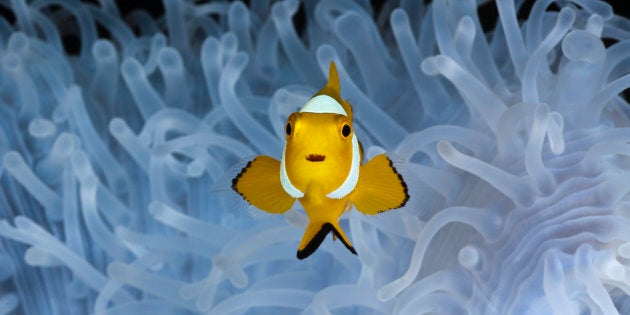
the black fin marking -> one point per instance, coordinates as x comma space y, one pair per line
236, 179
402, 182
338, 235
317, 240
314, 243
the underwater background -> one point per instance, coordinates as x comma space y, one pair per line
120, 132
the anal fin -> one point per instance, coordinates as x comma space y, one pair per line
315, 234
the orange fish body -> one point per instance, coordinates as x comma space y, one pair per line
321, 168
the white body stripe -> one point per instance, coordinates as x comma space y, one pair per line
323, 104
353, 176
286, 182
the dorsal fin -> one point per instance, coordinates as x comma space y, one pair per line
333, 77
333, 89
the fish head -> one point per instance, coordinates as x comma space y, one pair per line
318, 149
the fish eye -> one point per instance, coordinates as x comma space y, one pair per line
345, 130
287, 129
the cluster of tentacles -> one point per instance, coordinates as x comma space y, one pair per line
116, 160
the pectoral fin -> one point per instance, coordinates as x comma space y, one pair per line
315, 234
259, 184
380, 187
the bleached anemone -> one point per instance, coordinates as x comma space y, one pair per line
117, 160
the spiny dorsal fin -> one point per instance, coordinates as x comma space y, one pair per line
333, 77
333, 89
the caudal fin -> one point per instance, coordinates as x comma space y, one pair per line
315, 234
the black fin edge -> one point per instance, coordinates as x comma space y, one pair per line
238, 177
317, 240
314, 243
402, 182
338, 235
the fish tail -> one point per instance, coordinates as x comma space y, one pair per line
315, 234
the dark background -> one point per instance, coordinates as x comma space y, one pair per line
487, 12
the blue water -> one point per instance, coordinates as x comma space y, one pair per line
117, 160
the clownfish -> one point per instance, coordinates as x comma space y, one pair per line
321, 168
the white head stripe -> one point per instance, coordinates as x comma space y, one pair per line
353, 176
323, 104
286, 182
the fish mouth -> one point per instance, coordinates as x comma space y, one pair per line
315, 158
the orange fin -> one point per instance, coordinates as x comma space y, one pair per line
259, 184
333, 77
315, 234
380, 187
338, 233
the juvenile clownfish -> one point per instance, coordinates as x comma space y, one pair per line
321, 168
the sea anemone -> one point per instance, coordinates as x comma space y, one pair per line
120, 132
